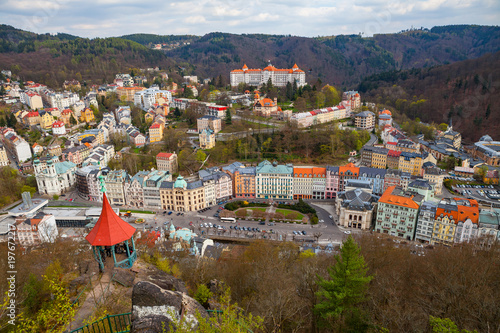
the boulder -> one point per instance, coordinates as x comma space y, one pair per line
163, 280
155, 308
123, 276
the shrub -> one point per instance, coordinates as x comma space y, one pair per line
203, 294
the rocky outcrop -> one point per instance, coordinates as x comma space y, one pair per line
155, 308
162, 279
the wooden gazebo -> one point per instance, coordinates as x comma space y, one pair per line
112, 235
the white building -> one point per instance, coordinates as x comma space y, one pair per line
54, 178
41, 228
60, 100
114, 186
58, 128
221, 182
279, 77
4, 159
17, 146
124, 115
146, 98
133, 189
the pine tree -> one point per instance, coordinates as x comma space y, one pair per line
228, 117
340, 295
177, 112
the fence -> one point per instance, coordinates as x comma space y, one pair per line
119, 323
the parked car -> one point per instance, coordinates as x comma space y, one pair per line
304, 232
331, 217
170, 213
321, 221
347, 232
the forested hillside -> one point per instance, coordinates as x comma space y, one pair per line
342, 60
53, 59
468, 92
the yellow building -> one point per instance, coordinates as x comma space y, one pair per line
411, 163
87, 115
46, 120
31, 118
97, 133
207, 139
156, 132
182, 196
379, 158
149, 117
127, 94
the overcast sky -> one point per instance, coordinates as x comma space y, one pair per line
104, 18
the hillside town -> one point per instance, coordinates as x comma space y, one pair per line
394, 186
249, 168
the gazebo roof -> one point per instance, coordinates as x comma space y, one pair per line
109, 229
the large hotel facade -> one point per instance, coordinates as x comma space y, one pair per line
279, 77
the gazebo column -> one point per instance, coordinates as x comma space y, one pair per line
114, 256
126, 245
129, 255
98, 257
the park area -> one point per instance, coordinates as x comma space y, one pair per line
262, 214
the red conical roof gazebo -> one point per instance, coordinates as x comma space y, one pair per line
109, 231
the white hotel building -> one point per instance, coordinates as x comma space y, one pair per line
279, 77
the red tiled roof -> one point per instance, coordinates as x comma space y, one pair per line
164, 155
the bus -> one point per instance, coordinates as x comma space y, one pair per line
228, 219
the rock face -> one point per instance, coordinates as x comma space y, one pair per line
161, 279
155, 308
123, 276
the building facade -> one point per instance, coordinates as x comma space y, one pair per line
182, 196
167, 162
54, 178
274, 181
397, 213
355, 209
278, 77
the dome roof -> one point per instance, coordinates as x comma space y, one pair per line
486, 138
180, 182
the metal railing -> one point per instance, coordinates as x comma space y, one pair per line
119, 323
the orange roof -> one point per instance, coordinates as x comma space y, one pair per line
66, 111
386, 112
245, 66
351, 167
397, 200
319, 171
448, 213
295, 66
303, 172
467, 212
237, 70
109, 229
155, 125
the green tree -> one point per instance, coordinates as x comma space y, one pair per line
203, 294
340, 295
228, 117
231, 319
443, 127
445, 325
200, 156
177, 112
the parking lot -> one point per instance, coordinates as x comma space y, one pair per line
481, 192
